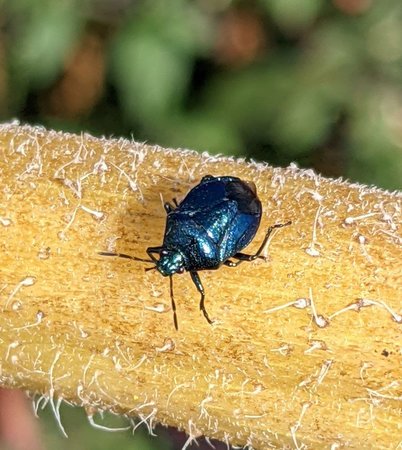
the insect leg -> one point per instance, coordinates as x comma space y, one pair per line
243, 257
230, 263
200, 288
169, 207
173, 303
151, 251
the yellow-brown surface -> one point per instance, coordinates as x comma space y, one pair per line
98, 331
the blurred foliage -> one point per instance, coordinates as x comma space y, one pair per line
317, 82
82, 436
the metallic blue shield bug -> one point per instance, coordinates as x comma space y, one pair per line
215, 221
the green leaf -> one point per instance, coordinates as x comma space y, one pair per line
293, 15
151, 75
152, 57
44, 34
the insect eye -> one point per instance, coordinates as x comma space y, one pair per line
181, 270
164, 252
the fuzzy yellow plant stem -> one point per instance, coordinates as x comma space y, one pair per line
305, 348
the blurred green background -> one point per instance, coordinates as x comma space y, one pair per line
318, 82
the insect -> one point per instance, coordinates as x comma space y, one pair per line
209, 228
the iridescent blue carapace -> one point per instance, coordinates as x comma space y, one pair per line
215, 221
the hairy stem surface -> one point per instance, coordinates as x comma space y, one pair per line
305, 348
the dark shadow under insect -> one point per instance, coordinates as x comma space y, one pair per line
215, 221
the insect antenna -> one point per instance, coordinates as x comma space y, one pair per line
150, 268
123, 255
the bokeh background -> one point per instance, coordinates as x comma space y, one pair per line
317, 82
